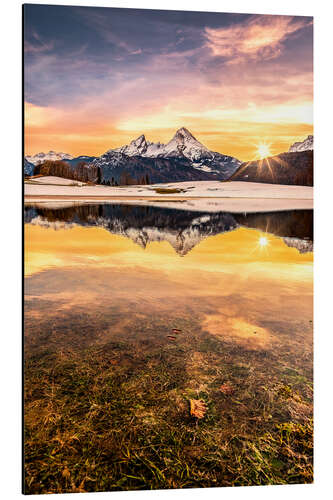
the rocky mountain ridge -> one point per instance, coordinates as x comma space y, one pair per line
182, 158
306, 145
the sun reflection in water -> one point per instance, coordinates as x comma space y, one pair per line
263, 241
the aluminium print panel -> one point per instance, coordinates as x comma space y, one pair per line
168, 250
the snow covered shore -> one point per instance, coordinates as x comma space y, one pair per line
200, 195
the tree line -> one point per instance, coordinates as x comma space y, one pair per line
85, 172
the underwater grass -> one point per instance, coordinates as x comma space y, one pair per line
115, 416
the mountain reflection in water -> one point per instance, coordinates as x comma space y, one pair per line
183, 229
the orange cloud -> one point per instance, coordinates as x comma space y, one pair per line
69, 130
234, 132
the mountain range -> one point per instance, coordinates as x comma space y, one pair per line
183, 158
51, 155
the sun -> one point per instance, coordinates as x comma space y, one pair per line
263, 150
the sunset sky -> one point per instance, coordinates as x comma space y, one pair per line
96, 78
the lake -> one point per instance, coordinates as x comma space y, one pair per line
166, 348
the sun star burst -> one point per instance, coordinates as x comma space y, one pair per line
263, 150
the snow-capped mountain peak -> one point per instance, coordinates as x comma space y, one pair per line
140, 147
182, 158
183, 142
137, 146
305, 145
184, 133
51, 155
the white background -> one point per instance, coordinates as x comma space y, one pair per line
10, 196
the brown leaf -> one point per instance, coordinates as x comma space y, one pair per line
198, 408
176, 331
171, 337
227, 389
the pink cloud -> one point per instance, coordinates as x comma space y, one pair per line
261, 37
29, 48
38, 46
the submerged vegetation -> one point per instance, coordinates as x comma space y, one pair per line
145, 412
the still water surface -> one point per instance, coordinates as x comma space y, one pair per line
105, 287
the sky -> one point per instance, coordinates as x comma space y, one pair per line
96, 78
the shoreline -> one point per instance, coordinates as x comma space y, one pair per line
232, 205
152, 198
211, 196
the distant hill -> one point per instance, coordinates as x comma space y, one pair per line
79, 159
285, 168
